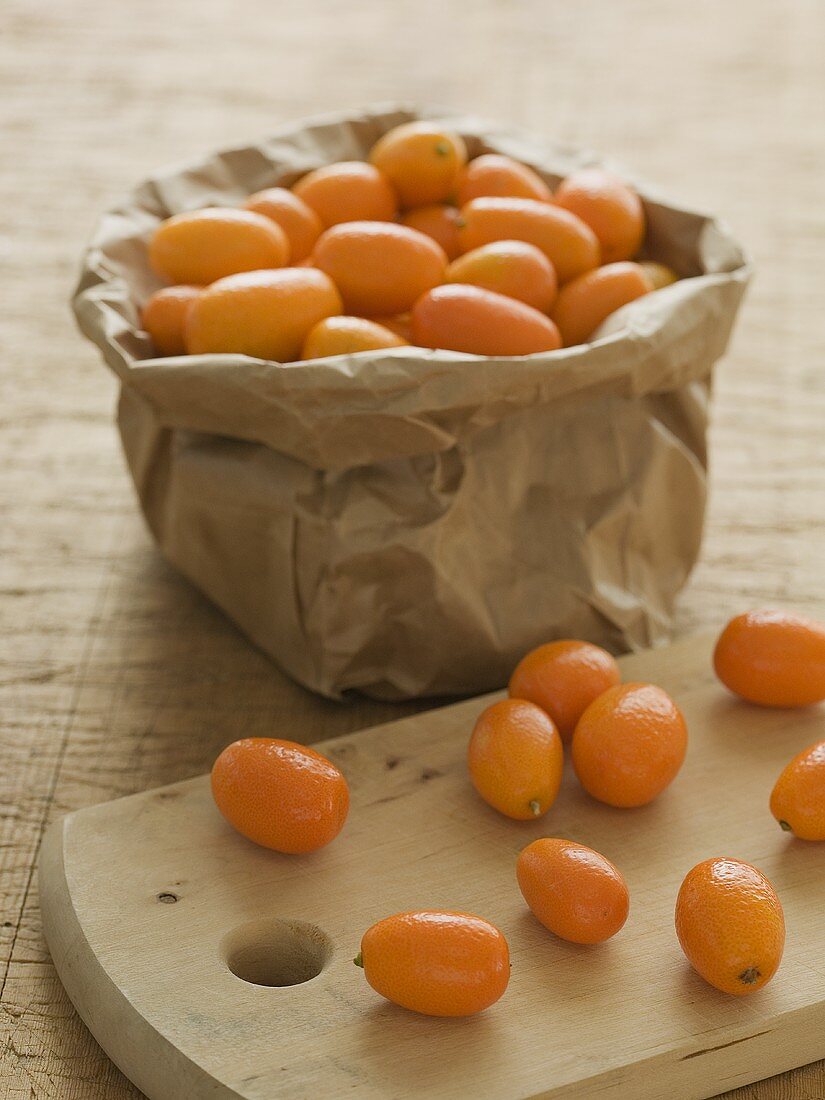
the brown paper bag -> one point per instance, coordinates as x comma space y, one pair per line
410, 522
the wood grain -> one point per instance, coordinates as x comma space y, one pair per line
208, 966
114, 675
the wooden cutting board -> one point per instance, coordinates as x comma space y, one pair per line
148, 901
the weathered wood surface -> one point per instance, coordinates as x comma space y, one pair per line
114, 675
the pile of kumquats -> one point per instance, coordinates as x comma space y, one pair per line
627, 743
418, 246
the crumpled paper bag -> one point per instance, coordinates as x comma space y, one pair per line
410, 522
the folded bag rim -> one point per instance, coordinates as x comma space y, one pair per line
375, 406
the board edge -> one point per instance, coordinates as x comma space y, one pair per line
143, 1054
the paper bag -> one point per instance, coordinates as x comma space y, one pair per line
411, 522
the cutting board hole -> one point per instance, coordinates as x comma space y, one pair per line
276, 951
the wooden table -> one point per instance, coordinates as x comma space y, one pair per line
115, 675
